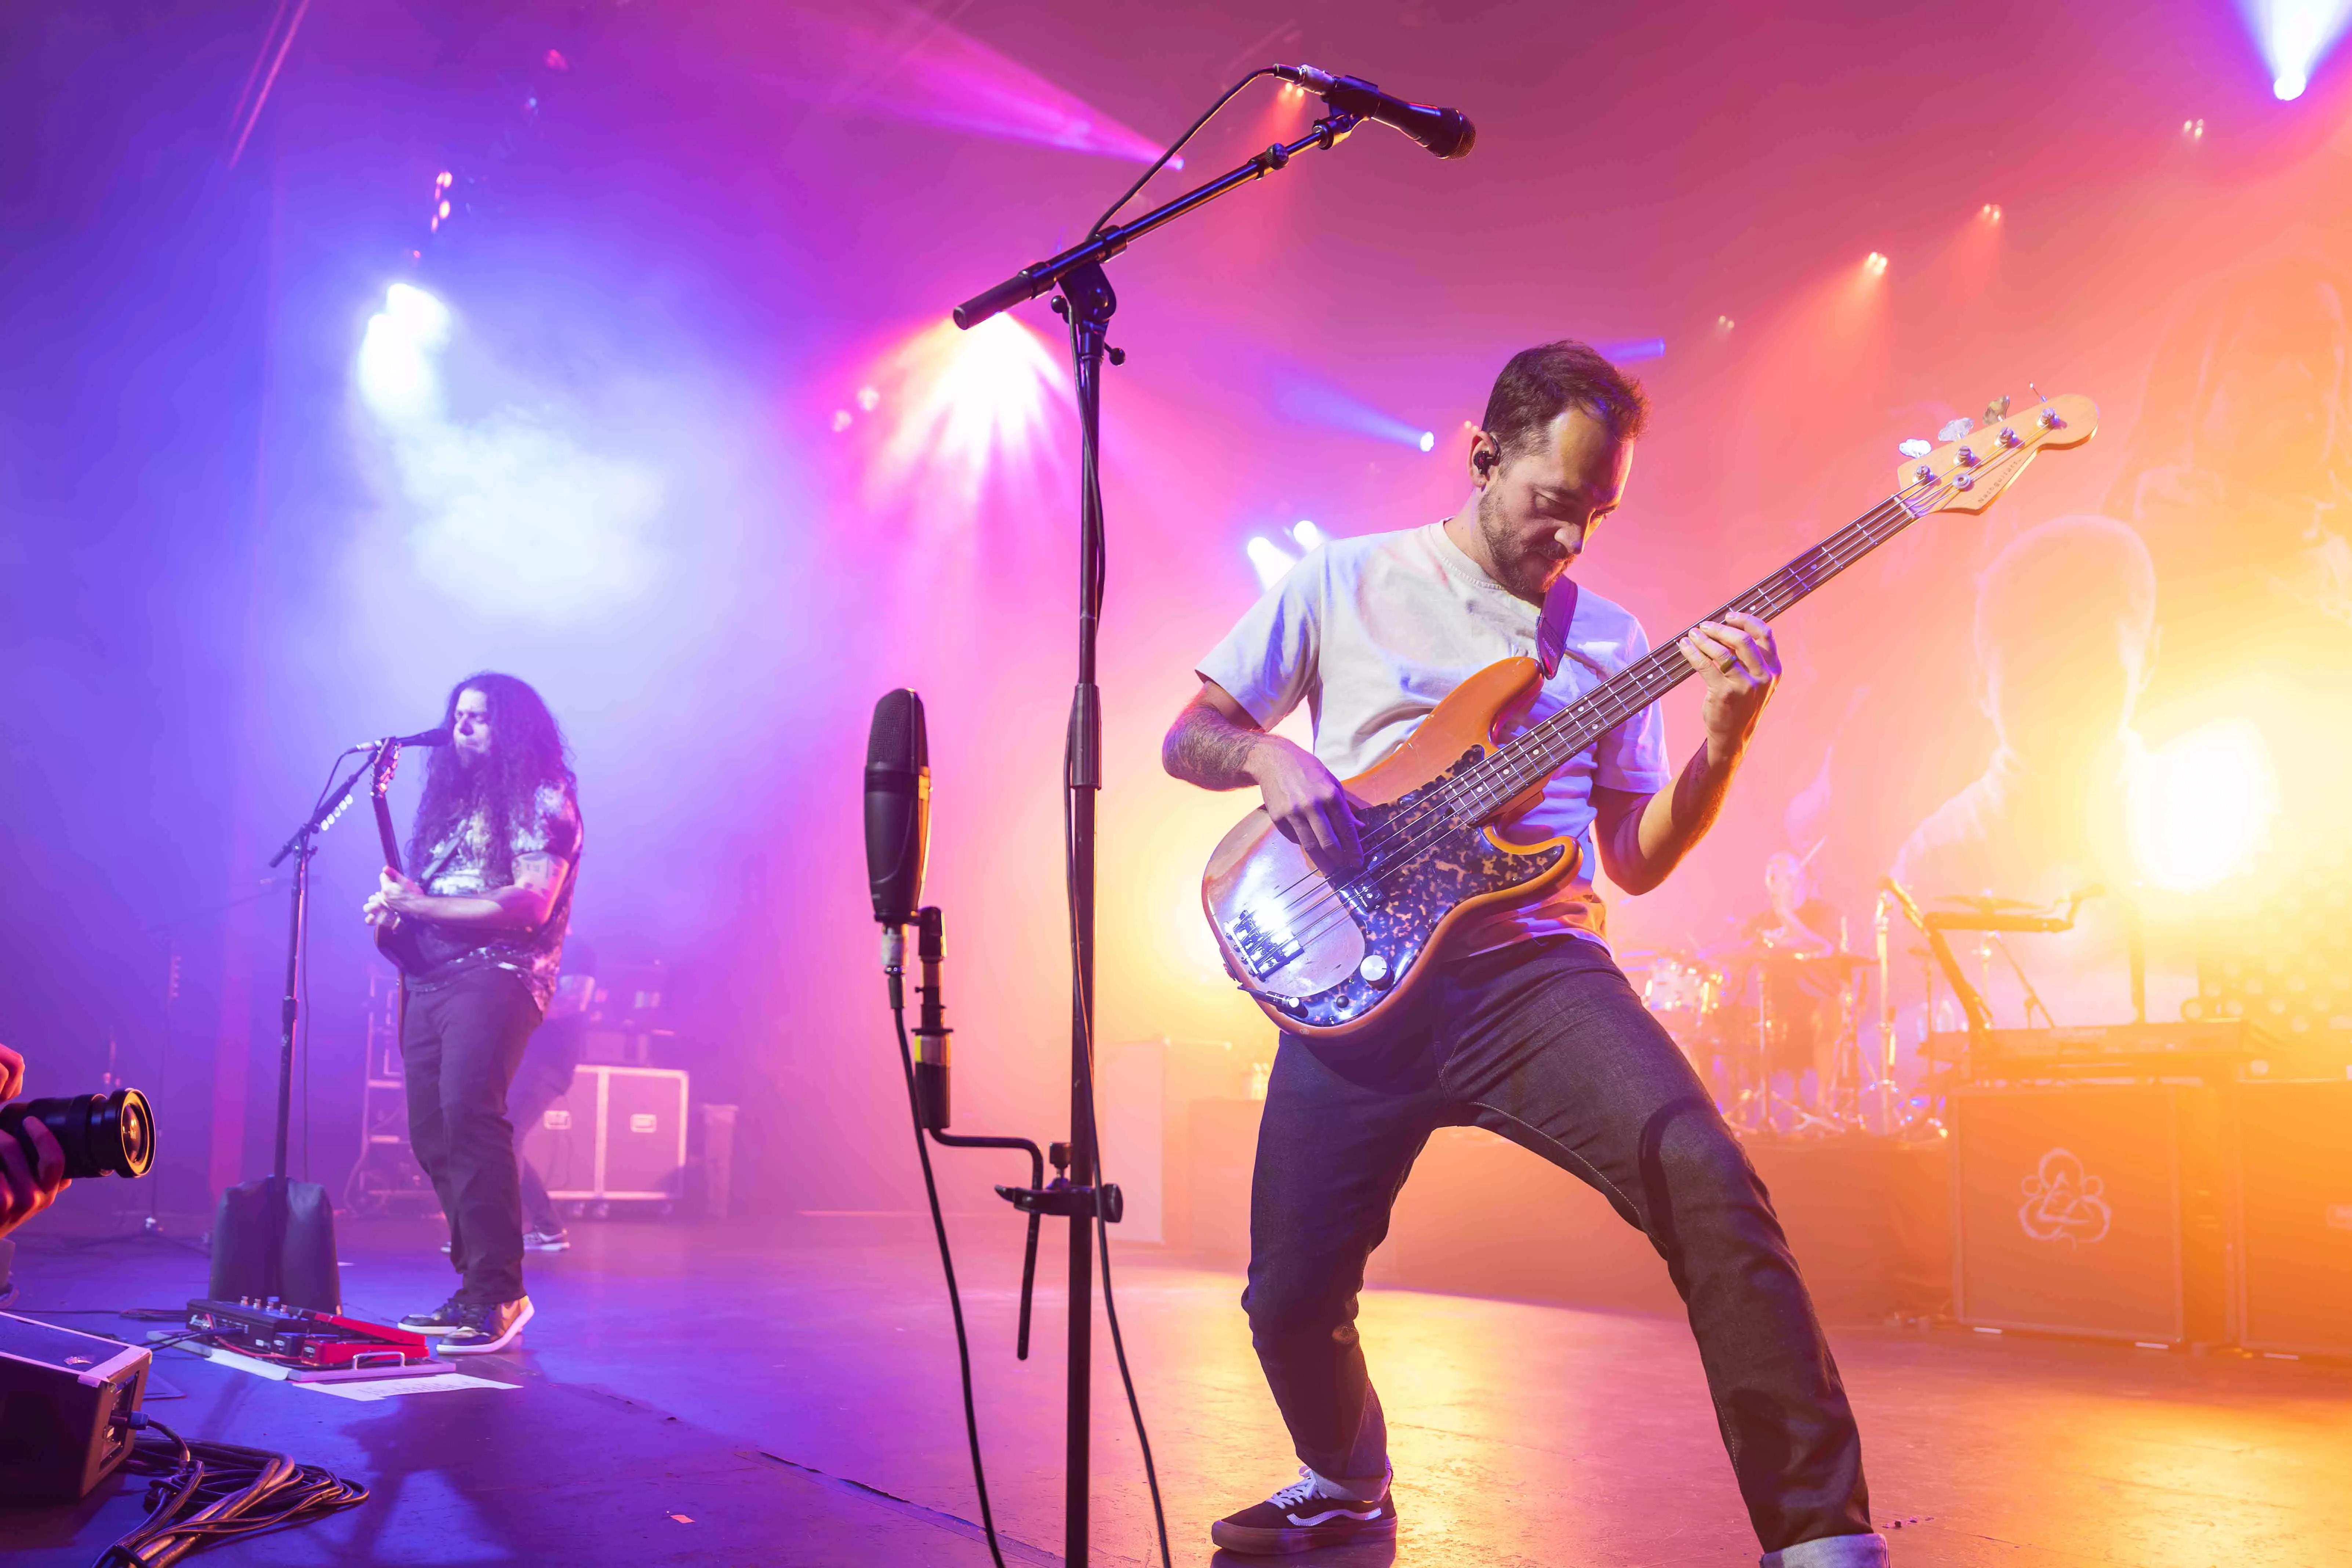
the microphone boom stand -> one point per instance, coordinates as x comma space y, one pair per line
1086, 301
301, 847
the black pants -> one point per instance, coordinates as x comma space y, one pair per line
1547, 1045
461, 1041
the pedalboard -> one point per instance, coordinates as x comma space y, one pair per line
298, 1337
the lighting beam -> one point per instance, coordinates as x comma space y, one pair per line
2295, 36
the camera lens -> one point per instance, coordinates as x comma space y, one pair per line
100, 1134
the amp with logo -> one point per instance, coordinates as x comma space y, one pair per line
617, 1135
2093, 1209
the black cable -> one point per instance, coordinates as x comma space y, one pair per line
947, 1267
201, 1494
1173, 148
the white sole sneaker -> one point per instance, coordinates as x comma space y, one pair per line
490, 1347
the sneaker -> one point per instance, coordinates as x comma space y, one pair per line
485, 1327
1306, 1514
556, 1240
441, 1319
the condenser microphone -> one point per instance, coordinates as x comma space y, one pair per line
897, 806
1444, 132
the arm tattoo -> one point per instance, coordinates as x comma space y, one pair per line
1205, 748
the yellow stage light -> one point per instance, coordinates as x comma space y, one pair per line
2200, 807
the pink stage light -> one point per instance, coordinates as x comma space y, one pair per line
957, 406
891, 58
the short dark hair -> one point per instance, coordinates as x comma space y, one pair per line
1542, 382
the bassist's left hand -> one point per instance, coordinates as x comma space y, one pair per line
1737, 662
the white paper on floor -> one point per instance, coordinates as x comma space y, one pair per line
439, 1383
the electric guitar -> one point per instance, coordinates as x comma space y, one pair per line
413, 946
1325, 956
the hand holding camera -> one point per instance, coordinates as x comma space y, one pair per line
45, 1143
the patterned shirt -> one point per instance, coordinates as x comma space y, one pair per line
460, 867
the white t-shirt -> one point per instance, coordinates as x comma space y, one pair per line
1372, 633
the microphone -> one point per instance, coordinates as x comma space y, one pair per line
897, 806
440, 737
1444, 132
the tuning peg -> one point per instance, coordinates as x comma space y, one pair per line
1997, 409
1956, 429
1914, 447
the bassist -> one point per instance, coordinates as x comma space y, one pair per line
496, 851
1525, 1026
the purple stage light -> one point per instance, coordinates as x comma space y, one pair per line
1623, 350
1272, 561
1319, 402
2295, 36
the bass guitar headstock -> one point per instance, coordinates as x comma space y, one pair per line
1976, 463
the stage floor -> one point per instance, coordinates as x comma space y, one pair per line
784, 1392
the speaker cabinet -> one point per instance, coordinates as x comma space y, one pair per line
2091, 1209
617, 1133
2294, 1200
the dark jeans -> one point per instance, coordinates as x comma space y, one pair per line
461, 1041
1547, 1045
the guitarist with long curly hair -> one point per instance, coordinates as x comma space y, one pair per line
495, 853
1525, 1026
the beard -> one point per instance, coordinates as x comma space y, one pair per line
1524, 571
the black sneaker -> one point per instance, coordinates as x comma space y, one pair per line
1303, 1515
483, 1328
556, 1240
439, 1320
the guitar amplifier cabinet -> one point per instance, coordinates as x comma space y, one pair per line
2292, 1195
59, 1393
2092, 1209
619, 1134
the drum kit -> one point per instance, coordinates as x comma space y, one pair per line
1753, 1018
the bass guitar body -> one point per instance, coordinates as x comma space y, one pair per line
1319, 954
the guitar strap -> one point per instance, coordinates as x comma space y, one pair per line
1552, 625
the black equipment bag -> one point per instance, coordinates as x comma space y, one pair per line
248, 1227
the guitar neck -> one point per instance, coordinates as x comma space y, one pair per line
384, 831
1548, 746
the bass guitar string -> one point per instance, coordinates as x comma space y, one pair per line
1502, 774
1496, 780
1803, 574
1500, 778
1497, 767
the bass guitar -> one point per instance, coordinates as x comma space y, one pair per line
1325, 956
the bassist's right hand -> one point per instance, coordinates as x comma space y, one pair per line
1307, 805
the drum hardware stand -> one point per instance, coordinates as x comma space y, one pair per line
1086, 303
1990, 920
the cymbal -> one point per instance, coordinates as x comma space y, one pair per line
1760, 952
1986, 904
